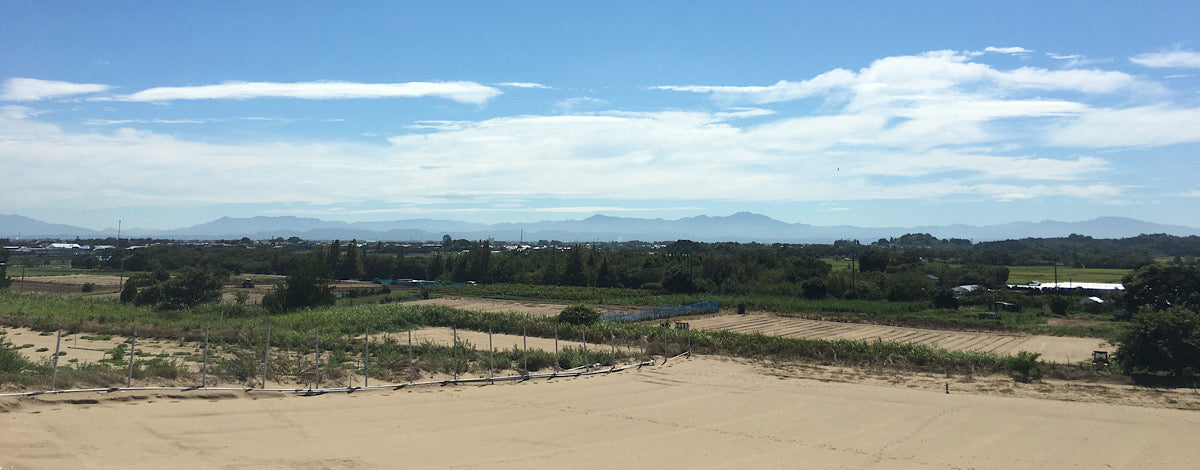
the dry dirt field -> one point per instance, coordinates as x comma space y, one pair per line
690, 413
494, 305
1052, 348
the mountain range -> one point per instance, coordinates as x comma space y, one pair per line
739, 227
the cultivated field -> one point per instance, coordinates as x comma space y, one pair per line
493, 305
1052, 348
690, 413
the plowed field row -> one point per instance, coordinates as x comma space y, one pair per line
1052, 348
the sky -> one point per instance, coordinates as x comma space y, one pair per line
168, 114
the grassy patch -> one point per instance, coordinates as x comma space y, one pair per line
1024, 274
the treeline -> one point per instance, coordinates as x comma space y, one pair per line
1076, 250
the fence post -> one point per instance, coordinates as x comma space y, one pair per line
54, 375
613, 342
132, 349
454, 354
317, 362
410, 357
525, 346
204, 368
491, 358
555, 349
266, 356
587, 365
367, 358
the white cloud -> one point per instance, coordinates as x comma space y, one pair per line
523, 85
575, 104
120, 122
1019, 51
900, 80
606, 157
1176, 59
464, 92
780, 91
32, 89
1141, 126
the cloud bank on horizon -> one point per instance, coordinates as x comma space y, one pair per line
979, 135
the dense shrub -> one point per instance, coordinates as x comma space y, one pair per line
579, 315
1024, 367
1161, 341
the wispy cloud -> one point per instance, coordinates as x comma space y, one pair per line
663, 156
464, 92
523, 85
1017, 51
1141, 126
121, 122
1174, 59
32, 89
781, 91
580, 103
906, 78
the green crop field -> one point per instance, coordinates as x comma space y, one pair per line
1024, 274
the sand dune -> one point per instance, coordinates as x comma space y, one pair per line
699, 412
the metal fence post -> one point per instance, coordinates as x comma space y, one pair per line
204, 369
54, 375
410, 357
132, 352
317, 362
266, 356
525, 346
555, 349
491, 358
613, 342
454, 354
367, 358
587, 365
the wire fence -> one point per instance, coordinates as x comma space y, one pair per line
422, 361
663, 312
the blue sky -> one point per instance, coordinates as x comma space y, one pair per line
168, 114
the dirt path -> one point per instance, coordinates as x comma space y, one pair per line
1052, 348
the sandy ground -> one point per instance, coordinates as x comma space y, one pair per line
1052, 348
699, 412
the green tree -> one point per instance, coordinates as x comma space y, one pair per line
1059, 305
307, 286
1161, 341
350, 266
1024, 367
129, 291
333, 256
579, 315
572, 274
190, 287
1161, 287
945, 299
4, 281
873, 259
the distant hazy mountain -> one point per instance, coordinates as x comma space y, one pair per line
15, 226
739, 227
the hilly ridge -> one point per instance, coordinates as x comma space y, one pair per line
738, 227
